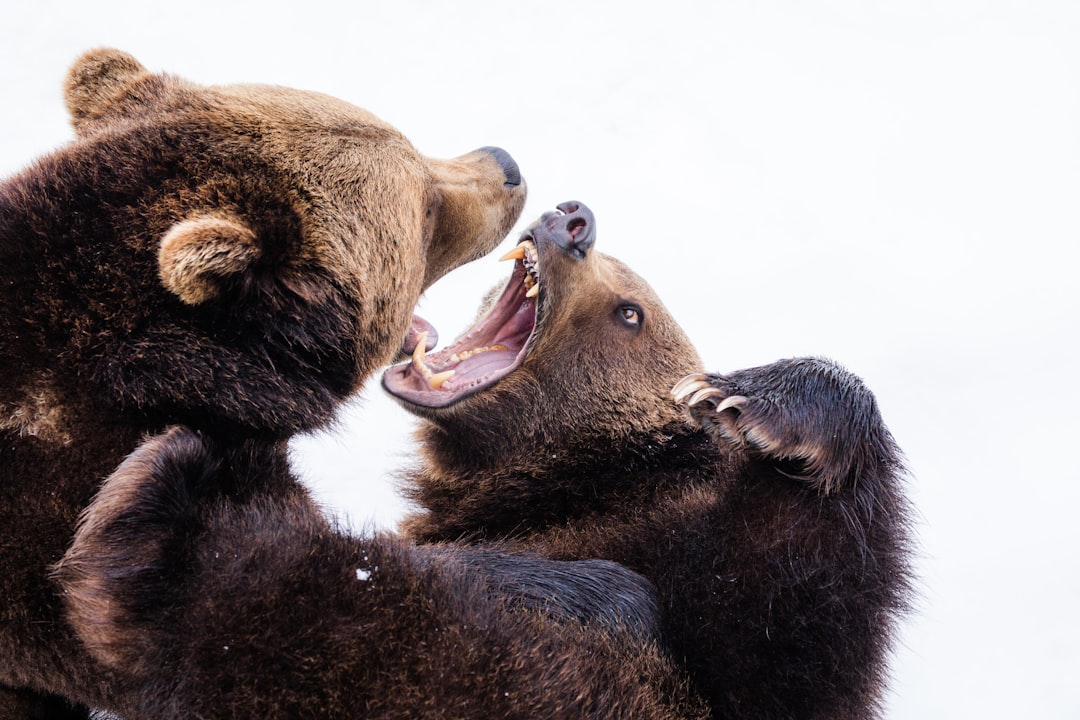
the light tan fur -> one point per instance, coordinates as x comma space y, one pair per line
196, 253
39, 414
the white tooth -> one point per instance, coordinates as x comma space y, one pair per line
419, 360
437, 380
533, 291
419, 354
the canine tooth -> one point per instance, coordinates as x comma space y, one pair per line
528, 281
517, 253
419, 361
533, 291
419, 354
437, 380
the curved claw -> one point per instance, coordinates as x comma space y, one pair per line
734, 401
689, 385
704, 393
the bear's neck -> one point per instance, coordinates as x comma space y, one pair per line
530, 494
56, 449
59, 256
49, 418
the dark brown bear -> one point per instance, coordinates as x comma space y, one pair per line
773, 524
235, 258
231, 605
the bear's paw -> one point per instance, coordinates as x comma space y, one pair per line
714, 403
810, 417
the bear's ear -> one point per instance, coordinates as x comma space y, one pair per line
200, 255
96, 80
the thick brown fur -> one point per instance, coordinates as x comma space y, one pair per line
766, 506
211, 601
236, 258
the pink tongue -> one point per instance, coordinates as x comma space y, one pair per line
420, 325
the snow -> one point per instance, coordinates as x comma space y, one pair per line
893, 185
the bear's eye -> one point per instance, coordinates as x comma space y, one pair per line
630, 315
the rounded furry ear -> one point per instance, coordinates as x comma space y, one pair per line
96, 79
199, 255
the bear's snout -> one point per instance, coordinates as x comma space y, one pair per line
572, 228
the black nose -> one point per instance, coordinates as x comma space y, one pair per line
510, 168
573, 228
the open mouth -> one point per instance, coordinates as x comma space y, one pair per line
489, 351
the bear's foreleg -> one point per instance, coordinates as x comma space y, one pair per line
810, 553
209, 605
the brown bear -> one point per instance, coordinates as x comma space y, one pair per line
771, 517
236, 258
207, 603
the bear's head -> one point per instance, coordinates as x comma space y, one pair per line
575, 356
238, 257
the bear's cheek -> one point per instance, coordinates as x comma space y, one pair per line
352, 259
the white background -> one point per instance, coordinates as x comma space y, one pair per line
893, 185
